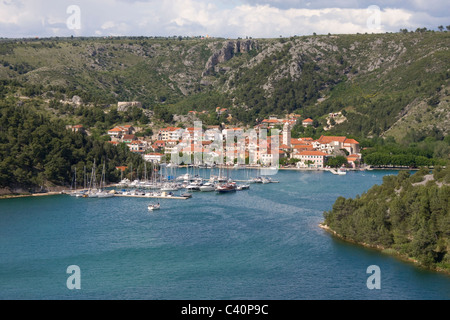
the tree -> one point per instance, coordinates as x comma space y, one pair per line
337, 162
441, 28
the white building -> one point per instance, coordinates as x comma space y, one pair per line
311, 159
154, 157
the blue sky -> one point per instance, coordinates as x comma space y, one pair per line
229, 19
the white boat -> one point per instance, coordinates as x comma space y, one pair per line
92, 194
80, 194
170, 187
153, 207
340, 172
184, 177
193, 187
257, 180
207, 187
104, 194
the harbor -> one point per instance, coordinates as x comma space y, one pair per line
167, 183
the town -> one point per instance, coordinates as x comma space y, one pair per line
263, 145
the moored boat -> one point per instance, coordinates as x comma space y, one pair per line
226, 188
153, 207
207, 187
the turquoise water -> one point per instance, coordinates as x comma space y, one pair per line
261, 244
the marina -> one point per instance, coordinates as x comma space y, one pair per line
167, 183
170, 197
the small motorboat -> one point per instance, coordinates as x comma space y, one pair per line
187, 195
207, 187
193, 187
153, 207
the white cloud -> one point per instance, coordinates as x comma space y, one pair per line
233, 18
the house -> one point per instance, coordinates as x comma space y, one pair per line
232, 132
137, 146
159, 144
193, 134
221, 111
171, 146
115, 133
353, 160
308, 122
120, 131
213, 134
299, 148
271, 123
128, 138
330, 144
154, 157
352, 146
170, 133
272, 157
77, 128
311, 159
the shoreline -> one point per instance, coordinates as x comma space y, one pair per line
16, 196
387, 251
62, 191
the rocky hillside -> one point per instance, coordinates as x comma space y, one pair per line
384, 84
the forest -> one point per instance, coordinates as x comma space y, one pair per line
408, 215
38, 152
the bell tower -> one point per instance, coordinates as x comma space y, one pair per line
287, 134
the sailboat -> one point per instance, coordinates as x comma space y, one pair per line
226, 188
92, 192
103, 193
75, 192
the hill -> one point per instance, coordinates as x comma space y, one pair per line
406, 215
384, 84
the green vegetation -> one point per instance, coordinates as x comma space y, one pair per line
431, 151
407, 213
37, 152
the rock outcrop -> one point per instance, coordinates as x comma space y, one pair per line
228, 51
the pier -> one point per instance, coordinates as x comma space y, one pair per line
152, 197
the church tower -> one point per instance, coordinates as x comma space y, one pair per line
287, 134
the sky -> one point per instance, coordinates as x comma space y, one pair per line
221, 18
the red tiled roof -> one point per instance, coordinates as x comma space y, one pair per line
313, 153
352, 141
328, 139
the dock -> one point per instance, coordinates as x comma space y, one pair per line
152, 197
